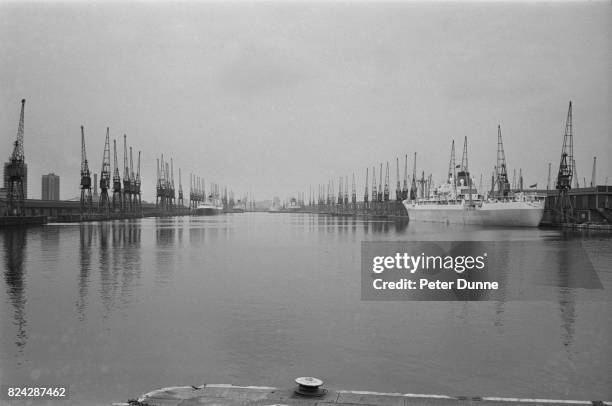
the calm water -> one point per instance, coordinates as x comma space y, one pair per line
117, 309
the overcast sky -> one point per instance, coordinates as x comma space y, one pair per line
271, 97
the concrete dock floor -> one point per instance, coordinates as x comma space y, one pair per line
229, 395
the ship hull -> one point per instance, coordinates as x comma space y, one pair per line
208, 211
501, 214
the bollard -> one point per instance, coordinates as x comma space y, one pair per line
309, 387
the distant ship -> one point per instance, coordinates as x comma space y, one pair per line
274, 209
210, 207
293, 206
458, 202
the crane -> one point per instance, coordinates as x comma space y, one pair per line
464, 174
138, 195
116, 181
452, 169
172, 189
365, 196
127, 187
346, 198
386, 189
158, 187
380, 185
16, 172
451, 175
132, 184
353, 192
501, 171
405, 187
398, 188
180, 191
566, 169
169, 190
86, 202
105, 175
374, 193
413, 187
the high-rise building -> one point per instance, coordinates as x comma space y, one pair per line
25, 179
50, 187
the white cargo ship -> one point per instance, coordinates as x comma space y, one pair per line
521, 210
458, 202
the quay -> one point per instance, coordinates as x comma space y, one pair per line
390, 208
230, 395
38, 212
591, 208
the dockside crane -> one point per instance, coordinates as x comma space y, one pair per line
346, 199
158, 187
138, 193
169, 191
413, 187
398, 188
451, 176
132, 184
386, 189
380, 185
354, 191
405, 186
374, 192
105, 176
86, 202
452, 169
15, 172
180, 191
172, 189
167, 187
365, 196
127, 187
566, 169
191, 194
116, 181
421, 182
464, 173
95, 196
501, 169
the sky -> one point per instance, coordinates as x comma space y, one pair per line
273, 97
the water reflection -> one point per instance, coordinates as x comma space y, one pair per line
85, 238
131, 265
14, 277
165, 229
567, 304
118, 261
344, 224
108, 269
